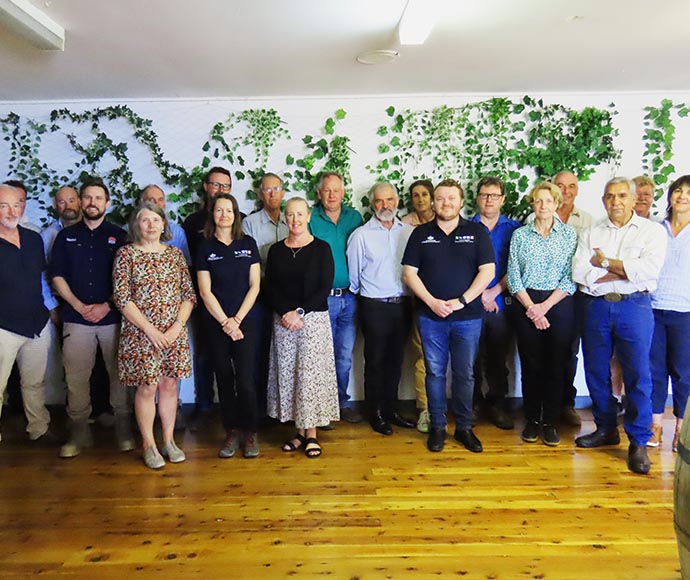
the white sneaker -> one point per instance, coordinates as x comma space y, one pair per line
423, 422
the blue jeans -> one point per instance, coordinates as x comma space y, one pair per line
626, 326
342, 310
669, 358
459, 341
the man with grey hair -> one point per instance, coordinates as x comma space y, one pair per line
616, 265
24, 318
644, 196
374, 254
333, 221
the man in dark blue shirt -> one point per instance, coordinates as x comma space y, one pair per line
497, 333
81, 267
24, 324
448, 263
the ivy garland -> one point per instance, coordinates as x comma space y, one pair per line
515, 140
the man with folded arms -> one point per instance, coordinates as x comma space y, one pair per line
616, 265
374, 252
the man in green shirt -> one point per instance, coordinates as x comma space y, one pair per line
333, 222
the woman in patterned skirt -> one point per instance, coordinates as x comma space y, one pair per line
153, 290
301, 383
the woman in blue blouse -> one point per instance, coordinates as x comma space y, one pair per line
671, 304
539, 276
229, 274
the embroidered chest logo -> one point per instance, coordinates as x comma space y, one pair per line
212, 257
243, 253
431, 240
112, 240
464, 239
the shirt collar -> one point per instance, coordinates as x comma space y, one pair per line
266, 219
636, 221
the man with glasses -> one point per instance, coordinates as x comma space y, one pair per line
267, 226
217, 180
333, 222
497, 334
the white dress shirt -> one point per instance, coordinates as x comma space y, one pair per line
640, 244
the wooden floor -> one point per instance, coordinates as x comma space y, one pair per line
371, 507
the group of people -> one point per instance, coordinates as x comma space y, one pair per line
273, 301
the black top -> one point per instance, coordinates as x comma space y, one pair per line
229, 268
299, 277
447, 264
193, 227
21, 301
84, 258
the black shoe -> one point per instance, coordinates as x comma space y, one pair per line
350, 415
500, 417
531, 432
436, 439
380, 425
598, 438
549, 435
327, 427
469, 440
400, 421
638, 461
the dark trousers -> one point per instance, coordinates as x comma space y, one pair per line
233, 362
385, 327
543, 354
494, 346
570, 366
203, 366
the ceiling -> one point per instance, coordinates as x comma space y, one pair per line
130, 49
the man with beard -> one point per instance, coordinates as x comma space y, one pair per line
68, 210
24, 324
448, 263
81, 268
374, 252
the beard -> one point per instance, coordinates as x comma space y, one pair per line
10, 223
92, 213
69, 215
385, 215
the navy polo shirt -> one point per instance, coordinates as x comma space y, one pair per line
84, 258
447, 264
21, 301
228, 267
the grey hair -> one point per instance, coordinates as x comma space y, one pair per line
621, 179
378, 186
135, 231
325, 175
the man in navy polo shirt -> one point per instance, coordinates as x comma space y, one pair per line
448, 263
24, 319
497, 333
81, 267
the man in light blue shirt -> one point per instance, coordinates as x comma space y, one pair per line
333, 222
374, 258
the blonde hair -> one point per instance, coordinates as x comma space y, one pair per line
551, 188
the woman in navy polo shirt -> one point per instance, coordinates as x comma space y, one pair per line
229, 275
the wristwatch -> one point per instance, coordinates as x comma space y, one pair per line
462, 300
605, 263
300, 311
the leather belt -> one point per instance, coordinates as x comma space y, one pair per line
390, 299
618, 297
339, 291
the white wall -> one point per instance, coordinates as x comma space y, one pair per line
183, 126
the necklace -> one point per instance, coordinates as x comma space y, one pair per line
296, 251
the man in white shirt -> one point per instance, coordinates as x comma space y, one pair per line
616, 265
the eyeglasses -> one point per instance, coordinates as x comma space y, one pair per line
221, 186
270, 190
490, 195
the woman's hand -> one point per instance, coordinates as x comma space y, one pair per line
292, 321
541, 323
236, 334
173, 332
230, 325
158, 339
536, 311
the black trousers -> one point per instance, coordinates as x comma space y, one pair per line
543, 354
233, 362
385, 327
494, 346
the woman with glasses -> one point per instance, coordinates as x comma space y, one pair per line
671, 306
540, 279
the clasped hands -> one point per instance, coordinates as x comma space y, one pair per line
162, 340
231, 327
444, 308
292, 321
537, 314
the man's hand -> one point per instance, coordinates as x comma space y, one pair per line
95, 312
442, 308
489, 300
597, 258
609, 277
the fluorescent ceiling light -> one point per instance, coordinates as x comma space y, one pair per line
416, 22
33, 25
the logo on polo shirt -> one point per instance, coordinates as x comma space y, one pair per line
464, 239
112, 240
70, 239
243, 253
431, 240
212, 257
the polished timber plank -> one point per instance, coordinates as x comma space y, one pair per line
371, 507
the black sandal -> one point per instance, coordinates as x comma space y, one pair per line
314, 452
290, 447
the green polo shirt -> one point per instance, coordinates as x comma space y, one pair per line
336, 235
